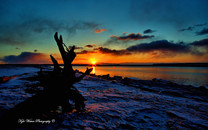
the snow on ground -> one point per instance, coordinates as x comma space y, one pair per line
113, 105
116, 106
13, 91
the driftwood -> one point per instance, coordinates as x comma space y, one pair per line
5, 79
58, 90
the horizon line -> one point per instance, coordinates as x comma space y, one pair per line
193, 64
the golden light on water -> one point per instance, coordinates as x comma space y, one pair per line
93, 71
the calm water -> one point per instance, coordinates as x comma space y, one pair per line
197, 76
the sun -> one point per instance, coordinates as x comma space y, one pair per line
93, 61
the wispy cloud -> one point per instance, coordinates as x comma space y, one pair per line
99, 30
186, 29
191, 28
90, 46
132, 36
200, 25
24, 31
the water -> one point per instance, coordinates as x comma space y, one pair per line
197, 76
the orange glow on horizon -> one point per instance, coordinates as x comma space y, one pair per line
99, 58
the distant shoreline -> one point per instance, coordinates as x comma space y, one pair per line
149, 65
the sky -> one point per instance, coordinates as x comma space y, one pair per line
104, 31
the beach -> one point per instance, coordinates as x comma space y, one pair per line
113, 103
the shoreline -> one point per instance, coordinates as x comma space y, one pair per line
160, 86
108, 97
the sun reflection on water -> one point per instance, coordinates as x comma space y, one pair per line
93, 71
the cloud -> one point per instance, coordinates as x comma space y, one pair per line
132, 36
191, 28
200, 43
186, 29
9, 39
204, 31
76, 47
113, 51
149, 31
90, 46
200, 25
22, 32
161, 45
161, 48
85, 52
35, 50
45, 25
99, 30
26, 58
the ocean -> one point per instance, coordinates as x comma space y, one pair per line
196, 76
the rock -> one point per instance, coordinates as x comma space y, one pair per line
92, 75
107, 76
127, 80
117, 77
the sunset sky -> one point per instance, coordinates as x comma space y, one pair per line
105, 31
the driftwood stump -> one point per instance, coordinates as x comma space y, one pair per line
58, 89
60, 81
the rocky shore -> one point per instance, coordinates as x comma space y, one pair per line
117, 103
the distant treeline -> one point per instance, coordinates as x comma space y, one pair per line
157, 64
183, 64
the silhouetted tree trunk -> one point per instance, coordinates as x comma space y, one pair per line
58, 90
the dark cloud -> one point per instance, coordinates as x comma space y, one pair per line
26, 58
161, 48
161, 45
90, 46
186, 29
200, 43
204, 31
113, 52
35, 50
132, 36
149, 31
